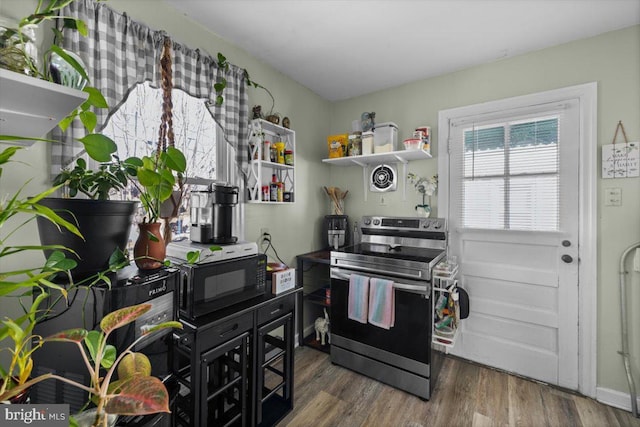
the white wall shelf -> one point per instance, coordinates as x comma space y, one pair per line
402, 156
261, 171
31, 107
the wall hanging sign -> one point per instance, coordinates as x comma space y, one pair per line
621, 160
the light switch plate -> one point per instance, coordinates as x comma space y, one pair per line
613, 196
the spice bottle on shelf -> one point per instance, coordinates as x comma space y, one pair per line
279, 152
280, 192
288, 157
265, 193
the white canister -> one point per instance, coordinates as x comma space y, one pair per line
266, 151
367, 143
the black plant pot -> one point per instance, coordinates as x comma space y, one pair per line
105, 225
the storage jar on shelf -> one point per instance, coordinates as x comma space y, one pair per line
367, 143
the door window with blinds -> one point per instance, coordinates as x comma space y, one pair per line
509, 173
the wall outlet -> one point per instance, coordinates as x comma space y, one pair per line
264, 231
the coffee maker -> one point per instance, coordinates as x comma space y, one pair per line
212, 214
336, 230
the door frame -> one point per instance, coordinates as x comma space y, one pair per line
587, 95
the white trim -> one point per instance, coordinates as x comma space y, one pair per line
615, 398
587, 245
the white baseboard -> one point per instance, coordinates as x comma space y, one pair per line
615, 398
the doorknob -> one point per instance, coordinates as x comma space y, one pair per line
566, 243
567, 258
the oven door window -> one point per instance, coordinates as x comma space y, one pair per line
410, 337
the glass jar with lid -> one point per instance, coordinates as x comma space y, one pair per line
355, 144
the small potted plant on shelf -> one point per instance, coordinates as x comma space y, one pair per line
18, 50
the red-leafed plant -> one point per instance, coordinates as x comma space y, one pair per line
135, 392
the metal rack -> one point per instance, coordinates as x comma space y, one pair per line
446, 315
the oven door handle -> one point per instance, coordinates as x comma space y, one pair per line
337, 273
373, 269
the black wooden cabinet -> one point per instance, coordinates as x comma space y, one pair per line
236, 366
312, 276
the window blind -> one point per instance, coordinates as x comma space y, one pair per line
505, 172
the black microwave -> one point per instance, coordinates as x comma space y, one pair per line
210, 287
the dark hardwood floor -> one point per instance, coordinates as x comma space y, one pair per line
466, 395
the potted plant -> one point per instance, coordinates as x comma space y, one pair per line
17, 45
135, 392
426, 187
28, 286
154, 177
105, 224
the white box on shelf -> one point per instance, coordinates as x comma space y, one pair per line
385, 137
283, 281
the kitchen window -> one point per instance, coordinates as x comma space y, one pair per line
134, 128
510, 175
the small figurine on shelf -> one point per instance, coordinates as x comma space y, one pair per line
322, 329
274, 118
286, 123
257, 112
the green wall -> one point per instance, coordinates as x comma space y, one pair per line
612, 59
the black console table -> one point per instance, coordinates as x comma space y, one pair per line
235, 366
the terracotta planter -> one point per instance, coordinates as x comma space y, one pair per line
148, 252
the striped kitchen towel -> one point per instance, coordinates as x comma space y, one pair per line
382, 310
358, 298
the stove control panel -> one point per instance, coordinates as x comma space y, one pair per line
404, 223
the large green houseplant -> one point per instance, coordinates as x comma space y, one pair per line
27, 286
104, 223
142, 393
135, 392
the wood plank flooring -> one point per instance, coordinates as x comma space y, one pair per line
466, 394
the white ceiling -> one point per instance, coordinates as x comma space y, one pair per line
345, 48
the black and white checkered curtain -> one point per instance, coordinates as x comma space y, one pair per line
120, 53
